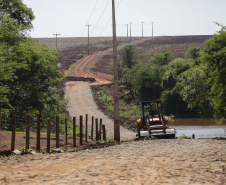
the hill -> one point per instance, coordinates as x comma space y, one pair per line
178, 45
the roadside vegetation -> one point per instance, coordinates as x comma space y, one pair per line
193, 86
28, 72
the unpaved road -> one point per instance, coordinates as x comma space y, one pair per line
142, 162
80, 96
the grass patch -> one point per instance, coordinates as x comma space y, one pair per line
69, 69
92, 67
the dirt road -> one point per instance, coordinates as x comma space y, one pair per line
80, 96
142, 162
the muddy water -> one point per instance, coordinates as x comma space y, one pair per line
202, 128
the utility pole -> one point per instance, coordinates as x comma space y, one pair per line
88, 38
127, 30
130, 31
152, 28
56, 39
116, 99
142, 29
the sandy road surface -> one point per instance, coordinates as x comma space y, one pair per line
81, 102
143, 162
80, 97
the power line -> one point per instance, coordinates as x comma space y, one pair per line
109, 20
92, 11
89, 18
101, 16
56, 39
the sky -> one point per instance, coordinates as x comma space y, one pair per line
170, 17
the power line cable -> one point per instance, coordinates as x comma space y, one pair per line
109, 20
100, 17
89, 17
92, 11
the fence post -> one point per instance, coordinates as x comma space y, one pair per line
86, 127
38, 133
0, 129
81, 134
104, 133
57, 132
66, 132
74, 131
92, 128
13, 133
138, 130
96, 129
27, 131
48, 135
100, 129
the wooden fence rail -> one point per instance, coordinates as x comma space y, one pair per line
98, 129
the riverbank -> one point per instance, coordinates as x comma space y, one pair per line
175, 161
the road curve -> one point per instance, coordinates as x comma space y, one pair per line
80, 97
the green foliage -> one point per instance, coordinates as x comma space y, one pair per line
107, 100
69, 69
215, 59
28, 73
161, 58
193, 53
18, 11
128, 56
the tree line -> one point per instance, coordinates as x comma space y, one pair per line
194, 85
28, 72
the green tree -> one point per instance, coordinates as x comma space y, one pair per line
18, 11
195, 90
171, 97
28, 73
193, 53
215, 59
161, 58
128, 56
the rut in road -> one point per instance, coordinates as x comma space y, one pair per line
81, 101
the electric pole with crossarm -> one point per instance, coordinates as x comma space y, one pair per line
56, 39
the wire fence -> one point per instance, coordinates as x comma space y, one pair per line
44, 135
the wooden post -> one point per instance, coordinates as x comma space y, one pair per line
74, 131
100, 129
13, 133
57, 132
116, 98
0, 129
48, 135
92, 128
96, 129
38, 133
81, 134
138, 130
86, 127
104, 133
27, 131
66, 133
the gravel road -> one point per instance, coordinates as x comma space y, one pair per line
141, 162
81, 102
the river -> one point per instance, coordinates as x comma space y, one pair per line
201, 127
